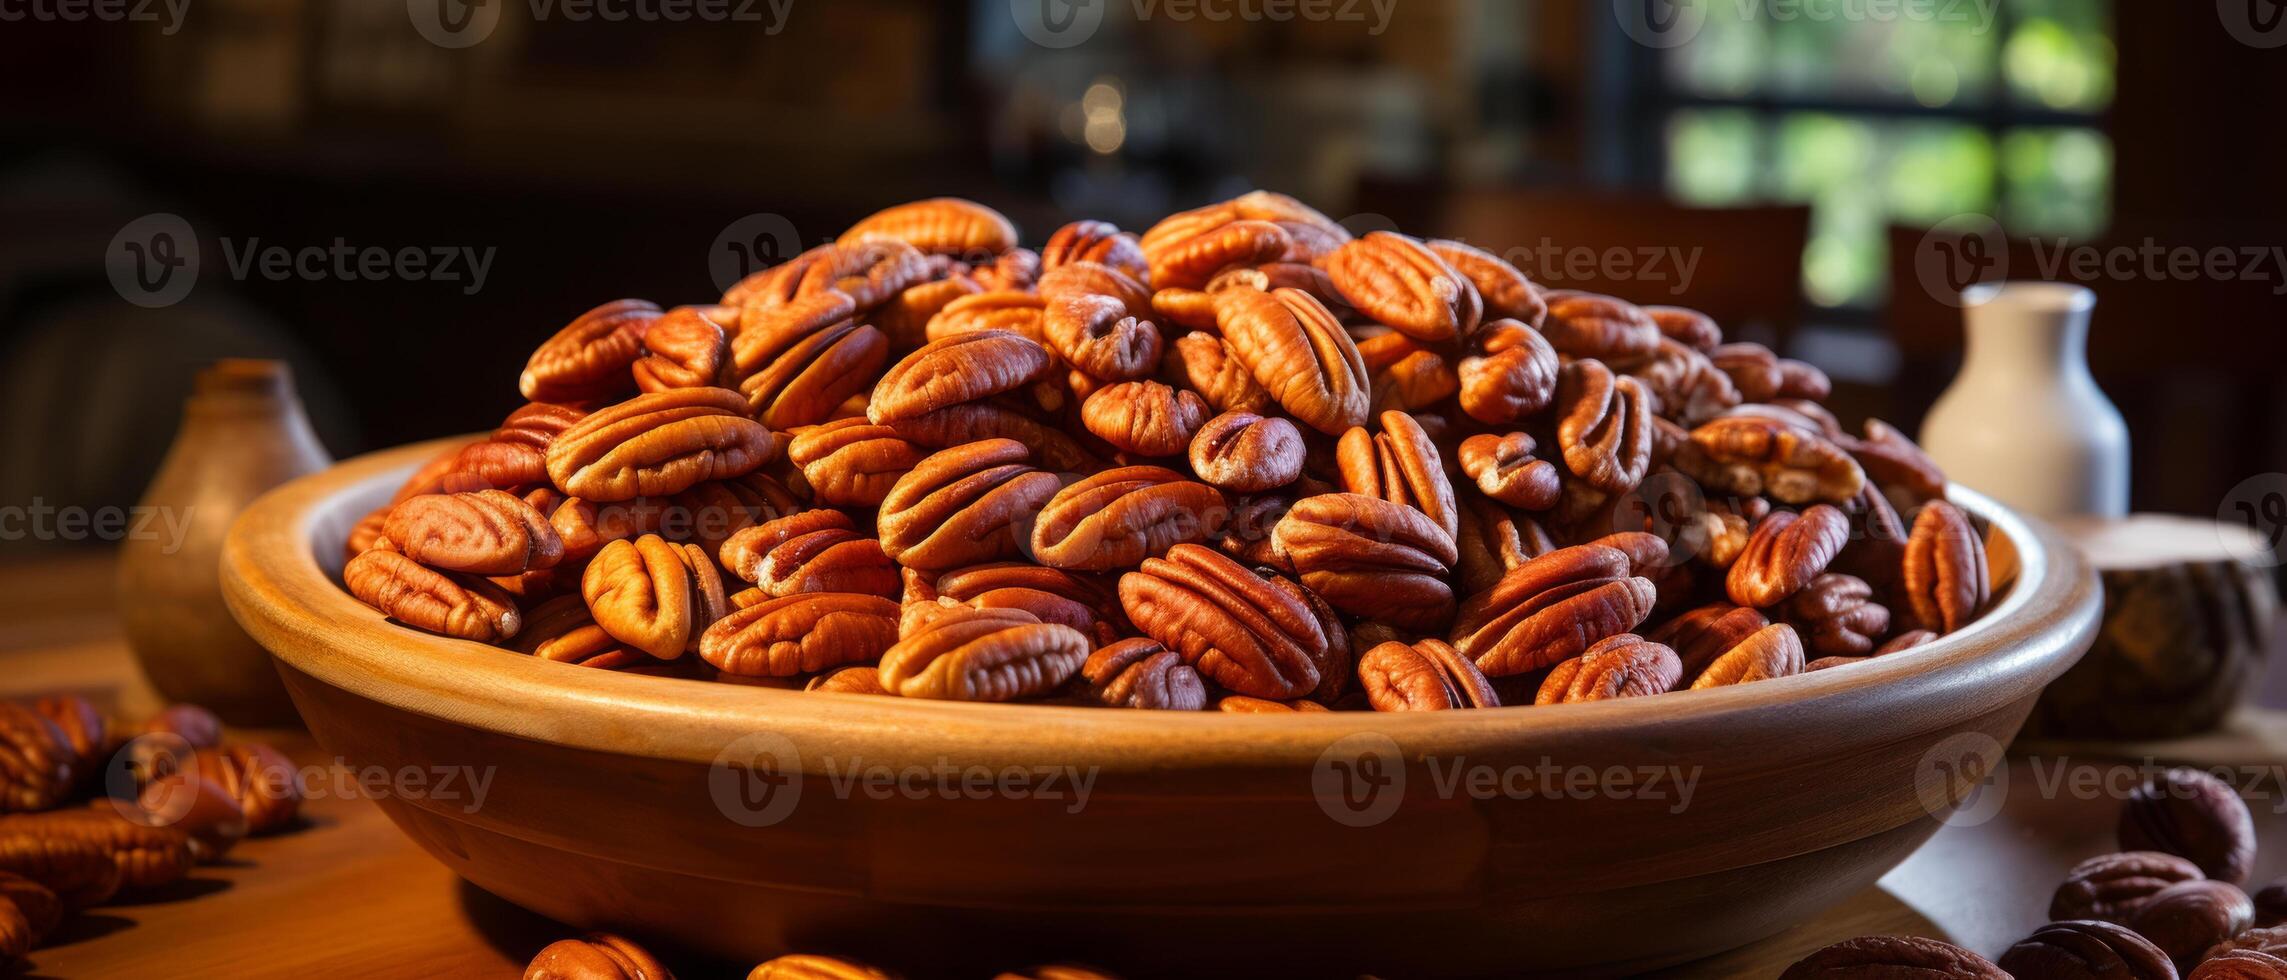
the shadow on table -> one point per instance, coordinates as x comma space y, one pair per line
519, 934
1870, 911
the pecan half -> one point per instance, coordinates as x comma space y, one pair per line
1604, 428
483, 533
868, 272
1405, 286
1690, 328
659, 443
1892, 460
1145, 418
684, 349
2086, 949
1837, 615
765, 334
1252, 634
1100, 242
1240, 704
1701, 635
36, 769
808, 967
959, 425
1094, 279
2110, 887
1785, 552
1493, 540
1051, 595
1296, 350
1683, 384
1399, 464
1622, 666
516, 455
440, 602
1510, 374
1427, 676
1506, 470
1119, 517
1203, 363
905, 318
957, 369
2185, 919
1773, 651
2192, 813
1406, 373
940, 226
1869, 956
1190, 308
562, 630
1098, 336
1945, 577
1186, 250
963, 505
596, 956
40, 909
1016, 269
851, 462
1371, 558
813, 551
800, 634
86, 733
1506, 292
591, 358
1247, 453
1582, 324
983, 655
1551, 608
805, 383
1016, 312
654, 596
1749, 454
144, 855
1143, 673
853, 679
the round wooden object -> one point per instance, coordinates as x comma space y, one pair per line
2185, 629
747, 822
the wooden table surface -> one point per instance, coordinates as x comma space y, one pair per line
346, 896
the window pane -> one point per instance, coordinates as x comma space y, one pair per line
1944, 56
2059, 180
2060, 55
1713, 156
1859, 176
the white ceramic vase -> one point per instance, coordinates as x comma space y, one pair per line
2024, 422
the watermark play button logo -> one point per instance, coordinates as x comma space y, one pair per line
1058, 23
1360, 780
1958, 253
154, 260
1660, 24
756, 780
454, 23
2255, 23
1963, 780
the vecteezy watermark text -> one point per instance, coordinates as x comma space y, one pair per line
1673, 23
154, 261
1360, 781
42, 521
465, 23
1066, 23
167, 13
757, 780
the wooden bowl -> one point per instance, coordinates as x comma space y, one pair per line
745, 822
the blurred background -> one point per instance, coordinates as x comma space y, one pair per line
1778, 163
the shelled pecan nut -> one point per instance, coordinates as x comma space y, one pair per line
1406, 374
1100, 336
2185, 919
1510, 374
564, 631
1051, 595
1015, 269
1899, 955
1683, 384
36, 770
1371, 558
1550, 609
1690, 328
1604, 428
1243, 452
41, 910
806, 382
767, 332
1087, 278
853, 679
482, 533
2110, 887
516, 454
1892, 460
1143, 673
1119, 517
852, 462
905, 318
983, 655
812, 551
1204, 363
1100, 242
1701, 635
1945, 578
1785, 552
801, 633
1750, 454
940, 226
1621, 666
659, 443
2189, 812
1506, 470
684, 348
709, 513
262, 779
1405, 286
963, 506
1426, 676
1145, 418
1007, 310
957, 369
1581, 324
1506, 293
439, 602
654, 596
1241, 630
145, 855
1837, 615
809, 967
868, 271
86, 733
79, 871
590, 359
1773, 651
959, 425
1298, 353
1401, 465
1493, 540
595, 956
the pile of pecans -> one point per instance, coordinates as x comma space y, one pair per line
2168, 905
1244, 461
91, 810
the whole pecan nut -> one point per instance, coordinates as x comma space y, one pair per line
483, 533
424, 598
940, 226
654, 596
1785, 552
1119, 517
983, 655
592, 358
1621, 666
1753, 454
1506, 293
1405, 286
813, 551
1506, 470
1509, 375
1145, 418
1426, 676
2194, 815
1837, 615
1243, 452
1399, 464
1945, 577
659, 443
801, 633
963, 505
1143, 673
1550, 609
1253, 634
1371, 558
957, 369
1298, 353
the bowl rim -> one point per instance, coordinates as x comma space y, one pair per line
278, 590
